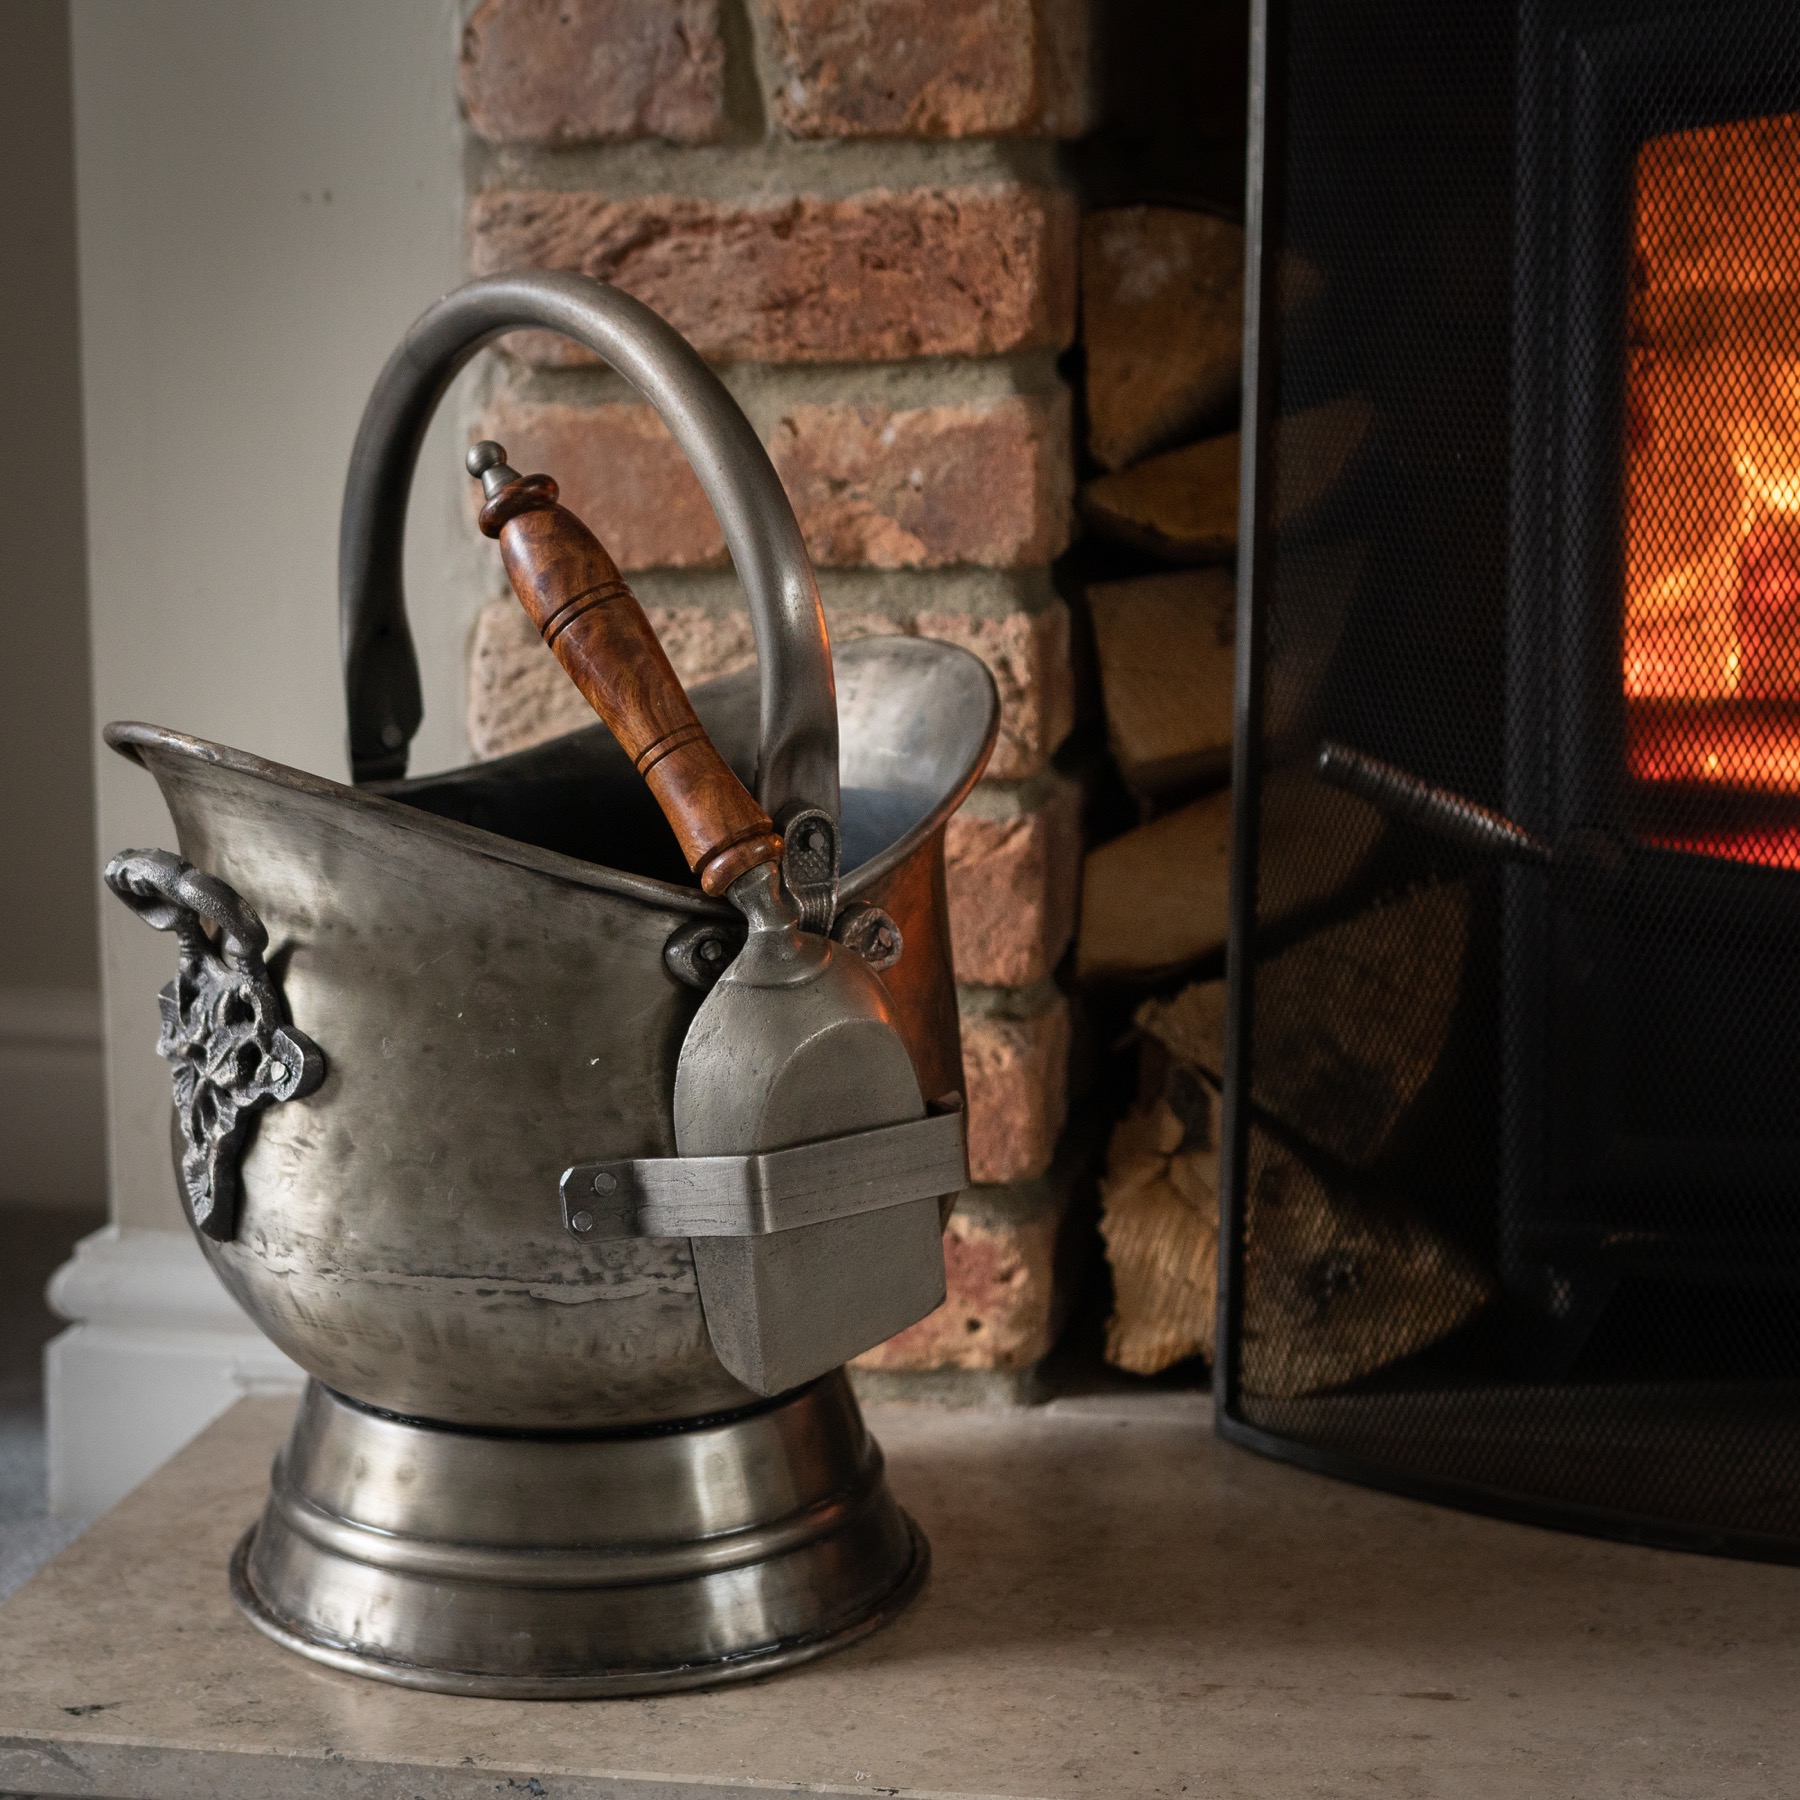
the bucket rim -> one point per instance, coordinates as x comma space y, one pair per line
136, 739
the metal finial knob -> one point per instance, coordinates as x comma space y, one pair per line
484, 456
487, 462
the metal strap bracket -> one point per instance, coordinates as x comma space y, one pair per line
775, 1190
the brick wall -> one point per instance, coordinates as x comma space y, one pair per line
851, 207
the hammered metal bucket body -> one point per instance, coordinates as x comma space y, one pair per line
479, 956
405, 1008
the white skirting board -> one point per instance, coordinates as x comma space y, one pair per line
52, 1097
157, 1350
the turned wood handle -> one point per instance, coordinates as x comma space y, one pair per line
584, 611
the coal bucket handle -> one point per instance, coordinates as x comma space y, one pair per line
798, 765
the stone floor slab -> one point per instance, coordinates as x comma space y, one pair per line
1120, 1605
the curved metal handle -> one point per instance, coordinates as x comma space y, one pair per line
171, 895
799, 761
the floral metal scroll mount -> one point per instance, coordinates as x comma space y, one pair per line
224, 1029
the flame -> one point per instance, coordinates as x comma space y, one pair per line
1710, 659
1766, 449
1778, 848
1684, 624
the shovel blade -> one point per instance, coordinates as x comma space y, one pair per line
785, 1309
764, 1067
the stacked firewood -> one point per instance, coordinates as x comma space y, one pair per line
1354, 1008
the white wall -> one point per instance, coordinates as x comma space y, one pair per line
268, 191
51, 1114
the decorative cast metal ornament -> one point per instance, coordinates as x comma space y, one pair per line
224, 1030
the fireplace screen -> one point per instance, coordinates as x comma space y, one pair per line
1512, 1096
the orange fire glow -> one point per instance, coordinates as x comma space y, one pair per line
1711, 657
1775, 849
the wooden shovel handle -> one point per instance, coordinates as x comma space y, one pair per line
580, 604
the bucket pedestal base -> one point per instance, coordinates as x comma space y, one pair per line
565, 1567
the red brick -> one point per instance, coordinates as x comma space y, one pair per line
931, 68
513, 701
620, 472
1001, 1307
1013, 883
928, 486
1016, 1073
921, 487
876, 277
1028, 655
586, 71
518, 695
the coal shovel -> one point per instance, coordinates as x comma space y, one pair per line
809, 1169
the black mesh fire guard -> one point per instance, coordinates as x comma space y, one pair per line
1512, 1170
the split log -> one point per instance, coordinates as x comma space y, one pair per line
1183, 506
1160, 1221
1334, 1290
1166, 646
1162, 304
1167, 654
1348, 1025
1314, 452
1157, 899
1190, 1093
1162, 307
1190, 1027
1306, 606
1311, 846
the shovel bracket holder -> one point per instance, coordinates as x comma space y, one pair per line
702, 950
775, 1190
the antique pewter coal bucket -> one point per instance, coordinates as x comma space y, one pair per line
405, 1007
